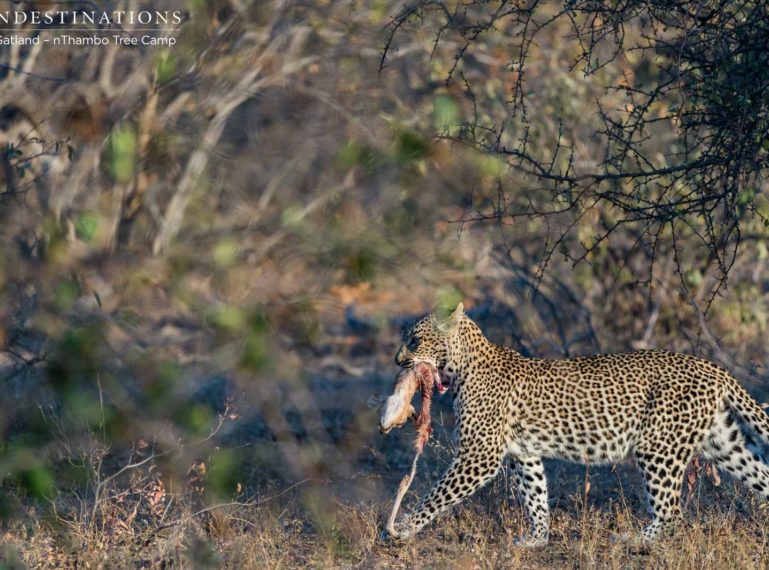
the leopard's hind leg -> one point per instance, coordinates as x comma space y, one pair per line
663, 453
663, 472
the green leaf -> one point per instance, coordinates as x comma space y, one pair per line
448, 298
354, 154
86, 226
223, 473
122, 153
229, 318
410, 146
693, 278
196, 6
196, 419
291, 217
225, 252
38, 481
490, 165
445, 112
65, 293
255, 354
165, 67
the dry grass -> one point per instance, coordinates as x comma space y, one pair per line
313, 528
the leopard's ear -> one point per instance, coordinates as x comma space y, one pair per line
450, 323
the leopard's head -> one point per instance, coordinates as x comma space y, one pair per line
429, 341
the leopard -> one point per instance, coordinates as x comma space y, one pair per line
659, 407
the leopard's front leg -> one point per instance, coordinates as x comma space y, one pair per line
467, 473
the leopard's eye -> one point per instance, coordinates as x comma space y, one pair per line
413, 343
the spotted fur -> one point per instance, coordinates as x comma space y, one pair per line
660, 407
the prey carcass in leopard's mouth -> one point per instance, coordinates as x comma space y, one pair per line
397, 409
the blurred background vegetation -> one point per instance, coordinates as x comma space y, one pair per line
208, 251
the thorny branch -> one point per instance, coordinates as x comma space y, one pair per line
709, 92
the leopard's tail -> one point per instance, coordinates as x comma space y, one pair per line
748, 410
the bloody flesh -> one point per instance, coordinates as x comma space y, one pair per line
426, 375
